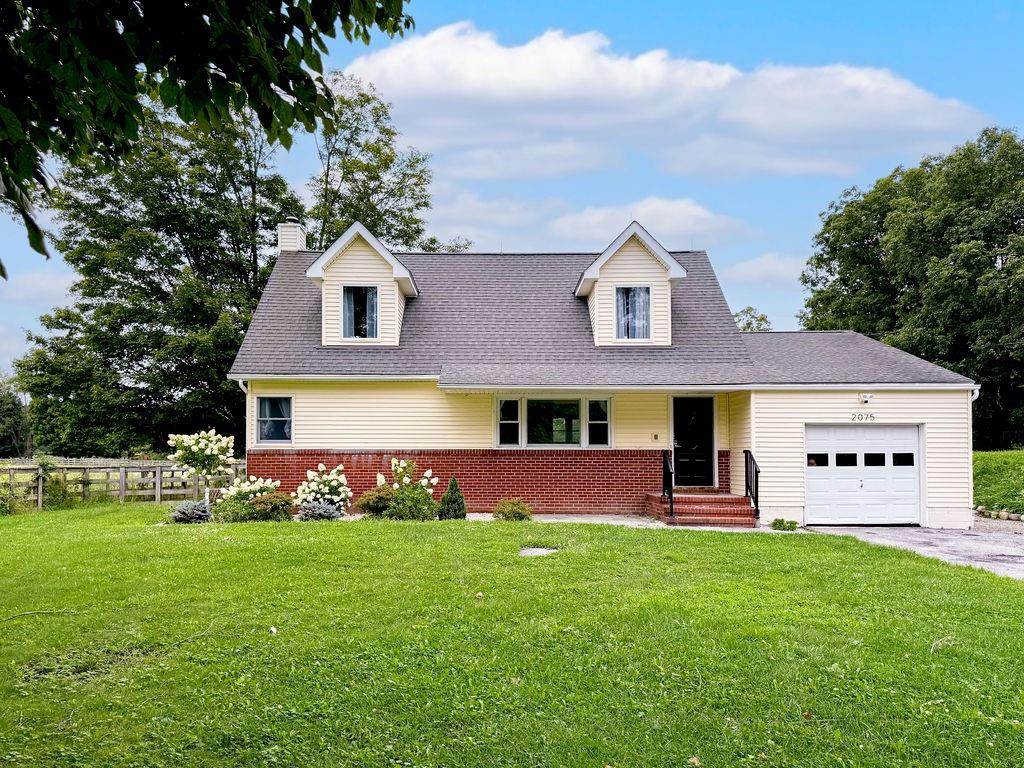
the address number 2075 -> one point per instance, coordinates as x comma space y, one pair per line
863, 417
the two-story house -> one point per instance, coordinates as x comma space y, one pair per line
582, 381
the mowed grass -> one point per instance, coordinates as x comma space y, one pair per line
435, 644
999, 479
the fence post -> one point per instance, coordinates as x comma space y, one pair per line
85, 484
159, 485
123, 485
39, 488
195, 487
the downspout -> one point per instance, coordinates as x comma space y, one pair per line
241, 386
975, 394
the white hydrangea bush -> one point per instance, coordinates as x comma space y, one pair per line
330, 486
248, 489
205, 453
403, 473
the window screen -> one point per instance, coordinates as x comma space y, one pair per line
508, 422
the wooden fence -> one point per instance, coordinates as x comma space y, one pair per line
130, 482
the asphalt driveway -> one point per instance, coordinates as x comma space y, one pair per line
997, 551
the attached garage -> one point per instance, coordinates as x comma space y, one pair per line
863, 474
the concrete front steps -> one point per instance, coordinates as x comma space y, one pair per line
705, 507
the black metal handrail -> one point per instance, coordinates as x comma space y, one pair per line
751, 480
668, 482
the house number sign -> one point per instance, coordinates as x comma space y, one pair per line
863, 417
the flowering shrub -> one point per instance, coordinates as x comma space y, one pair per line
323, 485
247, 490
204, 453
412, 499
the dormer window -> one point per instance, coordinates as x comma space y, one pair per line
633, 312
359, 312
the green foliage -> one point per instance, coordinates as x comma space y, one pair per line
190, 512
8, 501
749, 319
270, 507
14, 428
171, 252
453, 505
999, 480
76, 76
411, 502
931, 260
375, 502
512, 509
782, 524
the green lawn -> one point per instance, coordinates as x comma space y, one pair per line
434, 644
999, 479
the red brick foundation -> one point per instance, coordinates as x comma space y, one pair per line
551, 481
725, 471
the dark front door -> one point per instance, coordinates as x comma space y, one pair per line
693, 429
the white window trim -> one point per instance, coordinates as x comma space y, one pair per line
341, 315
584, 443
256, 418
615, 313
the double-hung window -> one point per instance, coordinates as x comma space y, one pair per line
273, 419
555, 423
359, 312
633, 312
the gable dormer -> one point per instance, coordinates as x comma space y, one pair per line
628, 289
363, 289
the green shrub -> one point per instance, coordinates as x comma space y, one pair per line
375, 502
411, 502
512, 509
781, 524
270, 507
191, 512
8, 501
453, 505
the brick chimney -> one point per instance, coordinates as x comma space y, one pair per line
291, 235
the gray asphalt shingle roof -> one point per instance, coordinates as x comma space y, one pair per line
512, 320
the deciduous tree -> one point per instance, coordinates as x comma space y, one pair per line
931, 260
749, 319
76, 74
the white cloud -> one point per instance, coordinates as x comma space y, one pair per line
768, 269
562, 103
676, 223
40, 289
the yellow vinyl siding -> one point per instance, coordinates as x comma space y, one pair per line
779, 421
359, 264
632, 265
637, 418
738, 404
383, 414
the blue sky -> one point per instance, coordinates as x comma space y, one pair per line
725, 126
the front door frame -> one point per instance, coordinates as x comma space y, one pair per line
714, 432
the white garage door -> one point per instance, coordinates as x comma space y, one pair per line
863, 475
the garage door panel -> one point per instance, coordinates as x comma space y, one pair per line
874, 491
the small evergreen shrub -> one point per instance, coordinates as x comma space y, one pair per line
375, 502
512, 509
191, 512
319, 510
411, 502
781, 524
453, 505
